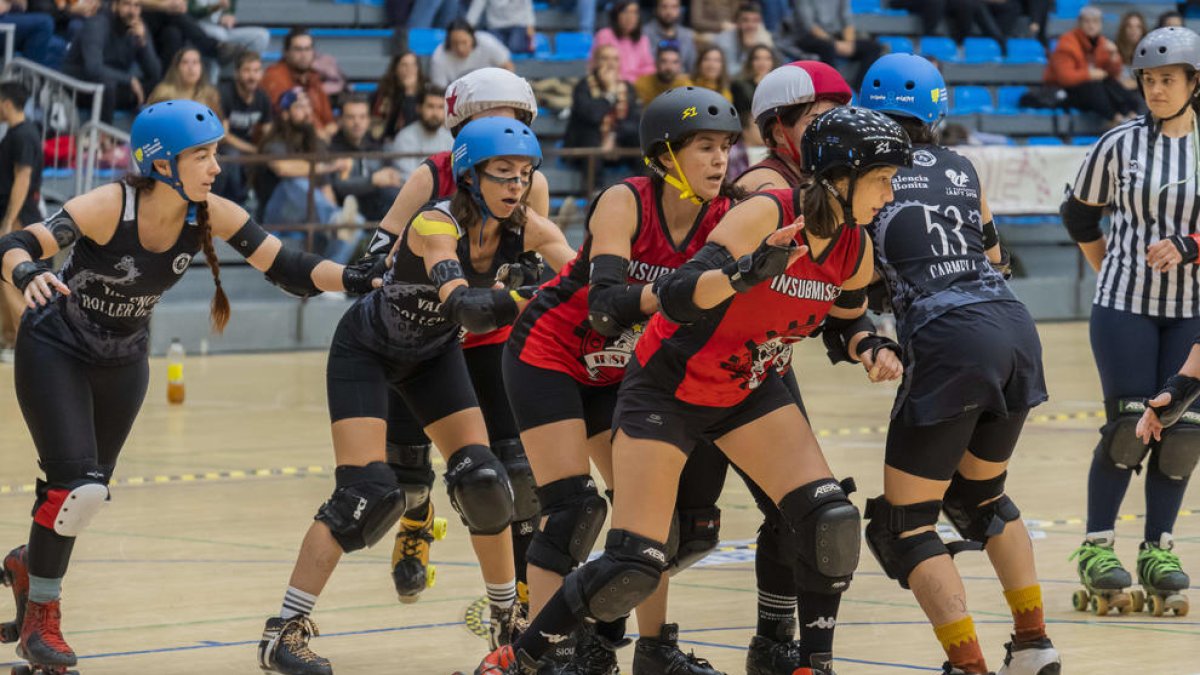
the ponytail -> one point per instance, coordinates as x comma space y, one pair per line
219, 310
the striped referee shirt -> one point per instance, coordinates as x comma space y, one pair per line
1149, 183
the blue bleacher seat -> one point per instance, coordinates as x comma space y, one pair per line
571, 46
1008, 99
866, 6
1044, 140
897, 44
1084, 140
1067, 9
940, 48
422, 41
981, 50
541, 48
1025, 50
970, 99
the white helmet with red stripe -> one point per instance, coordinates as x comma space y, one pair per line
797, 83
487, 89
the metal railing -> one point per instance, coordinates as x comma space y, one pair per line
9, 31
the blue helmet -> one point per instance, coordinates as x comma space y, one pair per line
166, 129
484, 139
907, 85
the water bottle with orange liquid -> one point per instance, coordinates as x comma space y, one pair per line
175, 387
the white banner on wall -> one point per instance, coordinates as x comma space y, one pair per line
1024, 179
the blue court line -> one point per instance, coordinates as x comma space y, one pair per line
281, 561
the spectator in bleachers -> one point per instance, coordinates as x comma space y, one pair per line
172, 28
247, 122
1038, 12
114, 49
668, 74
425, 136
374, 183
963, 15
1086, 64
624, 32
666, 26
826, 28
185, 79
395, 101
34, 31
218, 18
604, 109
463, 51
68, 15
710, 72
1130, 31
296, 70
1169, 18
511, 21
423, 13
1004, 14
712, 16
20, 190
747, 32
759, 61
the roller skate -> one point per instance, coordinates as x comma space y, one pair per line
506, 625
779, 656
1103, 578
504, 661
284, 647
411, 571
15, 573
1163, 580
1037, 657
948, 669
662, 656
42, 643
594, 653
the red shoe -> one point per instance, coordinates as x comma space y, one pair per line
42, 641
15, 573
502, 661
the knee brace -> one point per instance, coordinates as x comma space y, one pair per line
413, 471
699, 533
609, 587
1119, 444
479, 490
520, 475
1179, 451
974, 520
573, 515
899, 556
367, 501
824, 528
71, 498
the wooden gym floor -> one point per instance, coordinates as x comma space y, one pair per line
212, 498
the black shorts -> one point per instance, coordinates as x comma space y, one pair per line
357, 379
541, 396
644, 410
985, 357
934, 451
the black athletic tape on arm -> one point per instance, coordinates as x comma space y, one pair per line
676, 291
1081, 220
23, 240
836, 333
62, 226
851, 299
445, 271
292, 271
248, 238
614, 305
990, 236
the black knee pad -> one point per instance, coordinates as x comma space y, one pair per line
1179, 451
413, 470
699, 534
479, 490
899, 556
976, 522
825, 533
609, 587
520, 475
573, 515
367, 501
1119, 444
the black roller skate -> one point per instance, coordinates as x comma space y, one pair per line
42, 643
1163, 580
594, 653
284, 647
1037, 657
411, 571
506, 625
1103, 578
504, 661
784, 655
662, 656
15, 573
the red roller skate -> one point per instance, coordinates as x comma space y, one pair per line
15, 573
42, 643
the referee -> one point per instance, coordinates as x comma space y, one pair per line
1146, 311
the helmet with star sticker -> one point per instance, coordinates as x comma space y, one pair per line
488, 89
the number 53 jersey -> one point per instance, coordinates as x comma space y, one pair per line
929, 241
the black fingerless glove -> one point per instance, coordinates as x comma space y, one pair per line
873, 343
357, 276
1184, 391
1186, 245
754, 268
23, 273
526, 270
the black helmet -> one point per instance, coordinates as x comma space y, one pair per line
680, 112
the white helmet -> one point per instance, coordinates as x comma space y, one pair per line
485, 89
797, 83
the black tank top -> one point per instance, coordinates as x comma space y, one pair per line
402, 317
929, 241
114, 288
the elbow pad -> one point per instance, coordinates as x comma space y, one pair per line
480, 310
676, 291
64, 229
23, 240
292, 271
991, 236
613, 304
1081, 220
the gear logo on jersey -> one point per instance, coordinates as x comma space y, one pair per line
958, 178
688, 112
924, 158
181, 263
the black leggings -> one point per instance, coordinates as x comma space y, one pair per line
79, 416
1106, 98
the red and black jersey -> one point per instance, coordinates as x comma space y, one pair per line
553, 332
776, 163
717, 361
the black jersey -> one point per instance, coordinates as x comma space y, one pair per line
402, 317
114, 288
929, 241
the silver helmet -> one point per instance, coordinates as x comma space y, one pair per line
1167, 46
